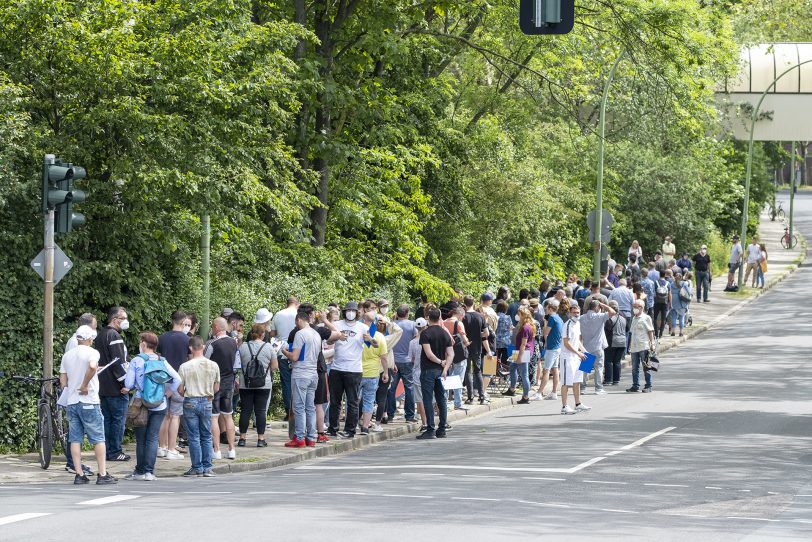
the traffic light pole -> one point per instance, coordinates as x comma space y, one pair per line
791, 196
48, 313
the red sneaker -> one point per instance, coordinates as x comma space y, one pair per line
295, 443
322, 438
310, 443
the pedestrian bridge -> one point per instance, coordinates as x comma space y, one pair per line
786, 114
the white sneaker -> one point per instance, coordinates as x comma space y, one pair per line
551, 397
377, 428
162, 452
600, 392
566, 409
172, 454
149, 477
582, 408
231, 454
536, 397
134, 476
217, 455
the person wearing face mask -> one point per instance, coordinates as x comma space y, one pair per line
346, 371
174, 347
572, 354
112, 393
642, 342
702, 271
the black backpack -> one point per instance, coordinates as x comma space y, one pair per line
460, 351
253, 372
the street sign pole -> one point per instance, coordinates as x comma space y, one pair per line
48, 313
791, 195
596, 259
205, 248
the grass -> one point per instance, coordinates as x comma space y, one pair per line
247, 459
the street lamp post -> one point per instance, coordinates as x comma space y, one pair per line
749, 172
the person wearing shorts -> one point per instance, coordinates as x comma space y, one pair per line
222, 350
414, 358
572, 353
553, 328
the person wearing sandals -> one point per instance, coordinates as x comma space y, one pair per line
254, 399
525, 346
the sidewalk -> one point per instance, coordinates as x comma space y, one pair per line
26, 469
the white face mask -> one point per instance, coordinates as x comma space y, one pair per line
385, 309
187, 329
703, 251
125, 325
516, 317
638, 312
350, 315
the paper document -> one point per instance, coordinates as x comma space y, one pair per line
452, 382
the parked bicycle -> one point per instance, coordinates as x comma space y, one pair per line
777, 212
786, 242
52, 419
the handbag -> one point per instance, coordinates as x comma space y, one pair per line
137, 413
684, 295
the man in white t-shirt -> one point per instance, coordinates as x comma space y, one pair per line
572, 354
346, 371
304, 355
87, 319
282, 324
79, 378
733, 262
753, 261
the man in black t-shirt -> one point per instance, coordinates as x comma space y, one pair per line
222, 350
436, 357
113, 365
702, 262
476, 329
174, 346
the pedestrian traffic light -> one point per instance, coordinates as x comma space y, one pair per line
546, 16
58, 193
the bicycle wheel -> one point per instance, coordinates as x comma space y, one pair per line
783, 241
794, 241
45, 434
781, 214
61, 429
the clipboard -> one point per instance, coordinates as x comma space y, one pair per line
452, 382
587, 364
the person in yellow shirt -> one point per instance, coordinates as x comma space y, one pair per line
374, 362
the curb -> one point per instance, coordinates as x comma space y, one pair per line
337, 447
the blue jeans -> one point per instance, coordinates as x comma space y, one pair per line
637, 360
285, 370
366, 393
114, 410
702, 285
405, 373
85, 419
432, 388
146, 442
304, 408
459, 370
197, 415
523, 370
677, 320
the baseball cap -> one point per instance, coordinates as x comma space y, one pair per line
226, 312
704, 246
534, 303
420, 323
85, 332
351, 306
263, 316
488, 296
735, 237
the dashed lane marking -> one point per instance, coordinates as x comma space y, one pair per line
110, 500
669, 485
22, 517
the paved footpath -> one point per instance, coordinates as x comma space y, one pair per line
26, 469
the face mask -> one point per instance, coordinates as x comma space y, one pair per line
574, 318
385, 309
232, 333
187, 329
350, 315
516, 317
125, 325
638, 312
703, 251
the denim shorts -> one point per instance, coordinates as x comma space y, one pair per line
85, 419
175, 404
368, 388
222, 402
551, 358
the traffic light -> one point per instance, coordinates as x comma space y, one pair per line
546, 16
58, 193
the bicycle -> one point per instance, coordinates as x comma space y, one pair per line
786, 242
52, 419
779, 212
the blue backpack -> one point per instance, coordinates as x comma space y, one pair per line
155, 379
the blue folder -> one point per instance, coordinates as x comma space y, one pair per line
587, 364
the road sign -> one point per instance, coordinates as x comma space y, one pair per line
546, 16
606, 225
62, 264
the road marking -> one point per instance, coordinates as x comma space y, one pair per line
549, 504
744, 491
712, 487
753, 519
610, 454
109, 500
155, 492
666, 485
542, 478
585, 464
619, 511
478, 476
22, 517
339, 493
408, 496
438, 467
603, 482
207, 492
643, 440
474, 499
273, 493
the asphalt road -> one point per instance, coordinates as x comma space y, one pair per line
720, 451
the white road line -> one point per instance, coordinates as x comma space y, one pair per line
478, 476
407, 496
339, 493
712, 487
585, 464
551, 505
109, 500
753, 519
643, 440
604, 482
619, 511
744, 491
542, 478
155, 492
666, 485
474, 499
272, 493
616, 452
437, 467
207, 492
22, 517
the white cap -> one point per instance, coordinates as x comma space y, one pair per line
263, 316
85, 332
420, 323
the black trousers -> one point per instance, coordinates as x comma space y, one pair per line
343, 383
381, 396
473, 376
662, 311
253, 401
